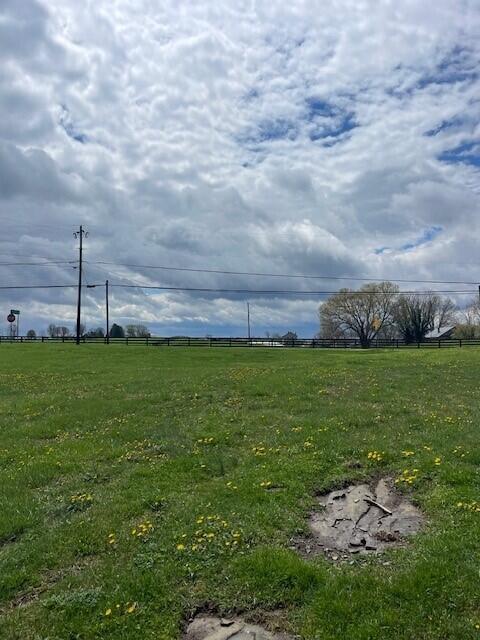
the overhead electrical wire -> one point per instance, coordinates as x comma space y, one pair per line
279, 291
37, 264
279, 275
237, 291
238, 273
41, 286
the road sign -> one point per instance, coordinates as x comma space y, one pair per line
14, 312
11, 317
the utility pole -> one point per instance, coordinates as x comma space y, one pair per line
106, 309
79, 234
248, 319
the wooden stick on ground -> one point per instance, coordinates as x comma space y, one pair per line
377, 504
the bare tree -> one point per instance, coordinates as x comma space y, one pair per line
52, 330
131, 330
415, 315
331, 327
63, 331
361, 313
446, 313
468, 327
471, 312
96, 333
137, 331
142, 331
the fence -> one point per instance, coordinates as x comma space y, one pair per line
299, 343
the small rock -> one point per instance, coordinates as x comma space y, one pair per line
226, 623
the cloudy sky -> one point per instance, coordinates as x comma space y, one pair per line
332, 138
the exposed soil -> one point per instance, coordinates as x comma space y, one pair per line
209, 628
361, 520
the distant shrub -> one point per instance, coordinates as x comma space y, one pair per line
466, 332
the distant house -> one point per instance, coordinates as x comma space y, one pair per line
289, 338
440, 334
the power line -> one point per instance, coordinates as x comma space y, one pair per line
280, 275
237, 291
238, 273
37, 264
40, 286
283, 291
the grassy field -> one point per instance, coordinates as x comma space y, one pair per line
136, 488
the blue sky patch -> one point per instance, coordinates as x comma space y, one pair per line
333, 129
445, 124
466, 153
458, 66
276, 130
455, 67
267, 131
317, 107
328, 121
427, 236
69, 128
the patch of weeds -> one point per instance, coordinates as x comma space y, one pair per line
77, 599
156, 505
10, 538
80, 502
95, 478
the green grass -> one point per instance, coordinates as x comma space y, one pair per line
99, 440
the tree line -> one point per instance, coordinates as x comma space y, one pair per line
379, 310
116, 331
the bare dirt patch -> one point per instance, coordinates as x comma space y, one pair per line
209, 628
361, 520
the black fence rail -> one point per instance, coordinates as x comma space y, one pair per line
297, 343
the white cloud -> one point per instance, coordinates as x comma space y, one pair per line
268, 137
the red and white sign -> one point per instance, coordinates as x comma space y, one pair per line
11, 317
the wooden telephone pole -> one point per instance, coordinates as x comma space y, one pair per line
79, 234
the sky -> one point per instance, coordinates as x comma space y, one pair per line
335, 138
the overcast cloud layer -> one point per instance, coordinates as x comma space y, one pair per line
330, 138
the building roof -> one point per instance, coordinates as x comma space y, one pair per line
440, 333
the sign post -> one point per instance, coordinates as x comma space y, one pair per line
12, 316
